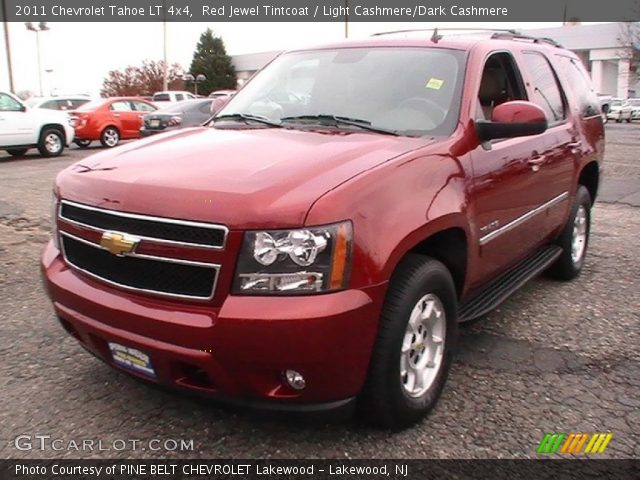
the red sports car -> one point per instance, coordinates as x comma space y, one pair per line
110, 120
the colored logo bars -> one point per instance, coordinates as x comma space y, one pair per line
574, 443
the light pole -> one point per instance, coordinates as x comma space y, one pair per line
49, 72
7, 45
165, 79
41, 27
197, 79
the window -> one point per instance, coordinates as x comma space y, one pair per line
9, 104
546, 90
161, 97
580, 84
120, 106
78, 103
50, 105
205, 108
64, 105
501, 82
142, 107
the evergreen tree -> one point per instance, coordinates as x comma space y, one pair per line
210, 59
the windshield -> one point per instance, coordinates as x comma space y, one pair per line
410, 91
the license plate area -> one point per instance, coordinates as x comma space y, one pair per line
132, 359
154, 123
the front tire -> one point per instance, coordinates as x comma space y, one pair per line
414, 347
51, 143
574, 238
17, 152
110, 137
82, 143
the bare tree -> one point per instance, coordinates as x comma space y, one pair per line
141, 81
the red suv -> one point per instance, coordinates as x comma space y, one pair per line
321, 239
110, 120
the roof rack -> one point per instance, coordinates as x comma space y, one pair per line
497, 33
460, 29
518, 36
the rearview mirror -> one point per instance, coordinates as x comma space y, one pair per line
517, 118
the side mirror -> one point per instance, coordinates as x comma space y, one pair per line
218, 104
23, 108
517, 118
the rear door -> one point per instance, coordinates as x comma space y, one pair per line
128, 119
555, 167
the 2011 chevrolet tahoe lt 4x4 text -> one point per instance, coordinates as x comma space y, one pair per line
319, 240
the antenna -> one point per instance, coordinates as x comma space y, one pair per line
435, 37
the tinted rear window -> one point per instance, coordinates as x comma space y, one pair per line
161, 97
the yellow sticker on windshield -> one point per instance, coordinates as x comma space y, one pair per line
434, 83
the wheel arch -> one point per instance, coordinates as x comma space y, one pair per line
448, 244
53, 126
590, 178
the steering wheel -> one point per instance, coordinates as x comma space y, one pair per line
426, 105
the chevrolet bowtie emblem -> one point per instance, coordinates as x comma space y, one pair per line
119, 243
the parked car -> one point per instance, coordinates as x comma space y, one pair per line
188, 113
222, 93
110, 120
605, 105
161, 98
619, 110
634, 104
305, 255
58, 103
23, 127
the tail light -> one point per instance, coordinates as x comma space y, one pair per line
175, 120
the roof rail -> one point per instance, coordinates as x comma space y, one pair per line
519, 36
459, 29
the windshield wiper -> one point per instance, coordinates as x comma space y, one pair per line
246, 118
336, 120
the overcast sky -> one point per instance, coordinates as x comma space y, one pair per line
81, 54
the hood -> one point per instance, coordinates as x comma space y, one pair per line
244, 178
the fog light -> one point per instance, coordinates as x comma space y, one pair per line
295, 379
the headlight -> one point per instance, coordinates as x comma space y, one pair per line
55, 205
305, 260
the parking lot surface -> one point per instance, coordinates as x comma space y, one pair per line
556, 357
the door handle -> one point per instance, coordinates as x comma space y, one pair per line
536, 161
577, 144
117, 115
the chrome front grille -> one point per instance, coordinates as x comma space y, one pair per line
157, 229
136, 271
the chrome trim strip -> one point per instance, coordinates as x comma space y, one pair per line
514, 223
210, 226
213, 266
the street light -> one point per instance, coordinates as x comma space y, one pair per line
197, 79
40, 27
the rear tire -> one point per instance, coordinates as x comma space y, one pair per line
17, 152
110, 137
51, 143
414, 346
574, 238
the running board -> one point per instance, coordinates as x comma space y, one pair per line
502, 287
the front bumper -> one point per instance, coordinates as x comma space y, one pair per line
235, 351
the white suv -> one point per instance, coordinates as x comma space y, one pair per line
171, 96
22, 128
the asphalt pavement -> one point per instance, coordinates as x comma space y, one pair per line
556, 357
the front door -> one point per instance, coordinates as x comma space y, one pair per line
505, 184
16, 124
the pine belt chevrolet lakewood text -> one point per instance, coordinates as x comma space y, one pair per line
319, 240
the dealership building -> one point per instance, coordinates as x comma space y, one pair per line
604, 48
